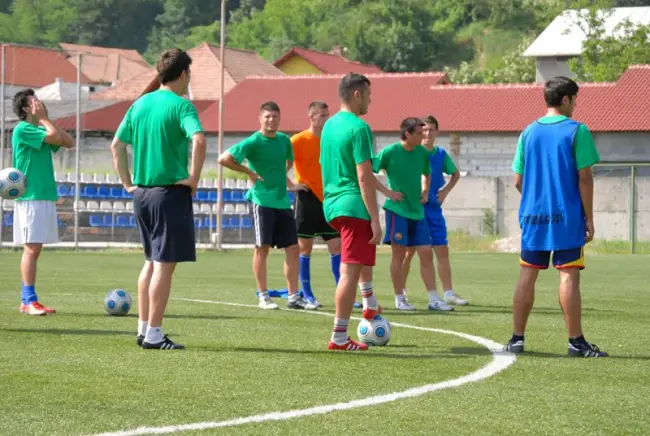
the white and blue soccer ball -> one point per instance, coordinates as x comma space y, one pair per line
12, 183
117, 302
376, 332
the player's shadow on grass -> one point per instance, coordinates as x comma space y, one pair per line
167, 316
468, 310
372, 353
83, 332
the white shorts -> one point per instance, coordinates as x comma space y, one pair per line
35, 222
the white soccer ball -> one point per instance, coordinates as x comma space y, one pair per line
117, 302
376, 332
12, 183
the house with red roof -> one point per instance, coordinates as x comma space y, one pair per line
302, 61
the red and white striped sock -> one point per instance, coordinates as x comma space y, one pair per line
368, 296
340, 331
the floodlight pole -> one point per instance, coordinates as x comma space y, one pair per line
220, 138
77, 185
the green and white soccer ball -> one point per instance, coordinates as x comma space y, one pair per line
12, 183
117, 302
376, 332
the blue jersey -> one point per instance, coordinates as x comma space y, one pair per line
437, 162
550, 214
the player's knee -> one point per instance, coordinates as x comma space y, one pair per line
33, 250
569, 276
334, 246
425, 254
262, 251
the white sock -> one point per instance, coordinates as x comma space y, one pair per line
294, 297
142, 327
404, 291
368, 296
340, 331
154, 335
433, 296
399, 299
264, 295
449, 293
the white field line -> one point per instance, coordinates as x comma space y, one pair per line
500, 361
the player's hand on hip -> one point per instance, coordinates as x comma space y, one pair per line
589, 236
190, 183
299, 187
130, 189
442, 196
254, 177
395, 196
424, 198
376, 232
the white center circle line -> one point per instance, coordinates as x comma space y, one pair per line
500, 361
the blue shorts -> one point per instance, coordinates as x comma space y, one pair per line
437, 226
562, 259
405, 231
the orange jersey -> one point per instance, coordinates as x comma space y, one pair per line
306, 155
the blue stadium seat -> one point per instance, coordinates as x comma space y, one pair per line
209, 223
212, 196
9, 219
227, 195
96, 221
237, 196
202, 196
132, 223
108, 220
63, 190
122, 221
90, 191
198, 223
246, 223
234, 222
126, 195
104, 192
292, 196
116, 193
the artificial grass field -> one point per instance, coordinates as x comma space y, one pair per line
79, 372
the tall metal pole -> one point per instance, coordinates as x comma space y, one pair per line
2, 136
220, 139
77, 155
632, 210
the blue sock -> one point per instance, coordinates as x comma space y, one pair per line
305, 276
335, 260
29, 294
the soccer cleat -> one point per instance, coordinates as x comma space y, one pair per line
370, 314
516, 347
455, 300
404, 305
165, 344
301, 304
349, 345
313, 301
35, 309
267, 304
585, 350
139, 340
440, 306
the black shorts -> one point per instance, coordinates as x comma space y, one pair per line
310, 218
274, 227
165, 219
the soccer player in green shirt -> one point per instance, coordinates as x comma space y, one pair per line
270, 157
34, 140
159, 127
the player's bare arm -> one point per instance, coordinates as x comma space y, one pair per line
426, 183
519, 181
198, 159
55, 136
227, 160
586, 182
444, 192
291, 185
387, 192
121, 164
368, 185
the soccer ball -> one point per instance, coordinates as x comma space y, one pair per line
376, 332
117, 302
12, 183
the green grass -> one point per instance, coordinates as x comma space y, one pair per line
79, 371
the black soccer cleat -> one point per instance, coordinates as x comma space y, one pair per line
516, 347
139, 340
585, 350
165, 344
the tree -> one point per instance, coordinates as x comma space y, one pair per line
171, 30
605, 56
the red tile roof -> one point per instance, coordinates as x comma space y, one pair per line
108, 119
36, 67
604, 107
133, 55
206, 68
328, 63
111, 68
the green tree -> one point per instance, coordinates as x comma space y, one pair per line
171, 30
606, 55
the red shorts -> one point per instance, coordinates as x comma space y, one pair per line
355, 236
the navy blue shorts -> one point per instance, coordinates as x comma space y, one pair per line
274, 227
562, 259
165, 219
405, 231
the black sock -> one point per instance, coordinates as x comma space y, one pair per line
516, 338
580, 340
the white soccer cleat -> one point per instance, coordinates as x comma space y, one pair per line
451, 298
404, 305
268, 304
440, 306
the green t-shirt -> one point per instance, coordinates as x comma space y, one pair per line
159, 127
34, 158
584, 148
346, 142
404, 170
267, 157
